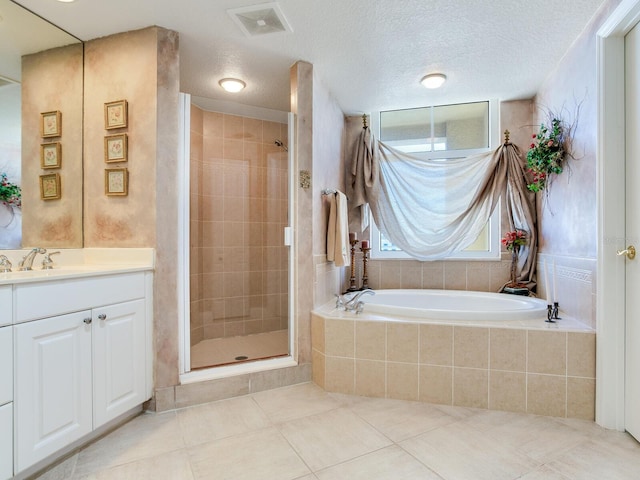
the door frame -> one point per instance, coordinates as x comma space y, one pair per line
610, 309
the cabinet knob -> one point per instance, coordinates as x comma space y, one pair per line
102, 316
87, 320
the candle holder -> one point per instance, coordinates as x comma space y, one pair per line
365, 262
352, 281
550, 314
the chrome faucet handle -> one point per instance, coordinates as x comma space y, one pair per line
47, 263
5, 264
27, 260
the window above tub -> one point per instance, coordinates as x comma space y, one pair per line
443, 132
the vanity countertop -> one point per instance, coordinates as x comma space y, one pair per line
78, 263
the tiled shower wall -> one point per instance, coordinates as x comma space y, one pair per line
239, 208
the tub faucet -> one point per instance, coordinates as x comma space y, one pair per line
27, 261
354, 304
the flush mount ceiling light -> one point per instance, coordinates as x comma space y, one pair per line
433, 80
232, 85
66, 1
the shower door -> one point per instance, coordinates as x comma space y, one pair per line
239, 260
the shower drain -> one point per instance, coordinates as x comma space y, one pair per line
242, 357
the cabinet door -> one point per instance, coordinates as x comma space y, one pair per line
119, 360
6, 441
6, 365
53, 385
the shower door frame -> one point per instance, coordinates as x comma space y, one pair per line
183, 263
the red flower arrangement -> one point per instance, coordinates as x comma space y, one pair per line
514, 239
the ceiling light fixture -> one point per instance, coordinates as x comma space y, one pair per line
66, 1
232, 85
433, 80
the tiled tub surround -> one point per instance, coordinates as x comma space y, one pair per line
539, 369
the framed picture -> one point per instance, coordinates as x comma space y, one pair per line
51, 124
51, 155
116, 181
115, 114
115, 148
50, 186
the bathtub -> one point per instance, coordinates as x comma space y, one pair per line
461, 348
455, 305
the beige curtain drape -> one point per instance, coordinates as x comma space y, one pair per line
432, 208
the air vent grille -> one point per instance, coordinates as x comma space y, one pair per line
260, 19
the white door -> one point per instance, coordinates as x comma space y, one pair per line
632, 335
52, 386
119, 359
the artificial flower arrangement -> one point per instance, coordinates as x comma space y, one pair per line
10, 193
546, 154
513, 241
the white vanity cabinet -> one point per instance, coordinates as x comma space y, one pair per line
6, 383
6, 441
53, 385
77, 371
119, 364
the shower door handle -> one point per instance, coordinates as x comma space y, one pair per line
630, 252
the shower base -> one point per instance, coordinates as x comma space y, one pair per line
244, 348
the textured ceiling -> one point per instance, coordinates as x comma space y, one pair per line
370, 54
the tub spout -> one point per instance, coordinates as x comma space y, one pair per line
354, 304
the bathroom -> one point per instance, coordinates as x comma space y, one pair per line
569, 236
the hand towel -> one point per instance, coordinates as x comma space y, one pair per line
338, 247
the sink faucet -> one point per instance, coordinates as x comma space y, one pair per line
353, 304
5, 264
27, 260
47, 262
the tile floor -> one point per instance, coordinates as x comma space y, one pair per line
303, 433
222, 351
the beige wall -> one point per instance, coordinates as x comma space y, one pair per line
141, 67
568, 220
123, 66
239, 208
52, 80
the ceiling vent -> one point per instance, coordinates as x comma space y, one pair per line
260, 19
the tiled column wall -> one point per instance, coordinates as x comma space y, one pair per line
240, 198
542, 372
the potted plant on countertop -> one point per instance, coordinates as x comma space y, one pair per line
512, 241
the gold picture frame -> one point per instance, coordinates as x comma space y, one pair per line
50, 186
116, 181
50, 155
51, 124
115, 114
115, 148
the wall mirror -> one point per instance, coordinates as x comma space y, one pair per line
24, 35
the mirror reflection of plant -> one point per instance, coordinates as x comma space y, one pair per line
547, 153
10, 193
